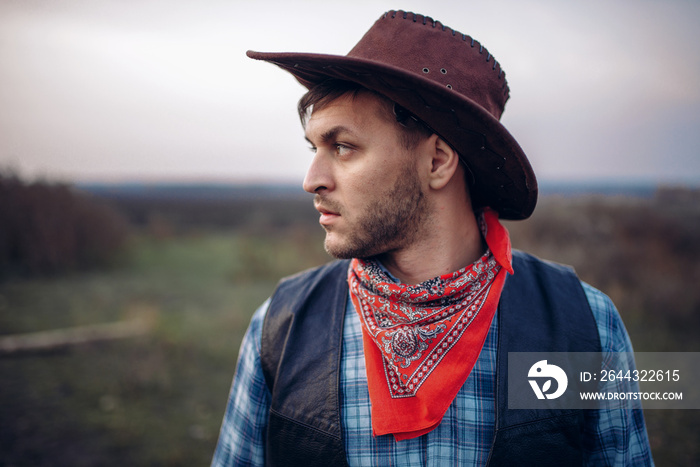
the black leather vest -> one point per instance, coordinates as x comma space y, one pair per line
543, 308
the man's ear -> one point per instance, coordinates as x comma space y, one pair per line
445, 161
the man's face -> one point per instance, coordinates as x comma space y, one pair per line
368, 191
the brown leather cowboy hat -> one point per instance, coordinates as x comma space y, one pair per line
449, 81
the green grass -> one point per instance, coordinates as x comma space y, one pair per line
154, 400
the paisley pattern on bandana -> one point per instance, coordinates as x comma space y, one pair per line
416, 326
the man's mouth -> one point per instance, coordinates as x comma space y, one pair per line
328, 215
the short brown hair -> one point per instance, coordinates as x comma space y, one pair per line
411, 130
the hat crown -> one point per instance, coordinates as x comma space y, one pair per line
429, 50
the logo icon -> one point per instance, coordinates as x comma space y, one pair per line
542, 370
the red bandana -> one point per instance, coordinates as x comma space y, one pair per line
422, 341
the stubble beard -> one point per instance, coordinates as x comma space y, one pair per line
391, 221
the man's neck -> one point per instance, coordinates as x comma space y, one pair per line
448, 248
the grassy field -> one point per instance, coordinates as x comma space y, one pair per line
154, 400
158, 399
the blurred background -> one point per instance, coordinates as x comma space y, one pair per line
150, 196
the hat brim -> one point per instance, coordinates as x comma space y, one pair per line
501, 175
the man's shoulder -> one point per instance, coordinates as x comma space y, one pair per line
528, 259
531, 273
315, 274
613, 334
611, 330
596, 298
298, 313
294, 291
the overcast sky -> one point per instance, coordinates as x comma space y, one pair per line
100, 90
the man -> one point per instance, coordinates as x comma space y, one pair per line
396, 354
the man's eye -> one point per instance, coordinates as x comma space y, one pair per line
341, 149
313, 149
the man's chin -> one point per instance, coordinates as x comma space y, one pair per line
337, 251
340, 249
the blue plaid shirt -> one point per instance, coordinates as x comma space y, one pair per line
615, 437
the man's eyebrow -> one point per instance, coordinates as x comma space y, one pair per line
332, 133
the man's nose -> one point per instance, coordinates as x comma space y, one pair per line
318, 176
